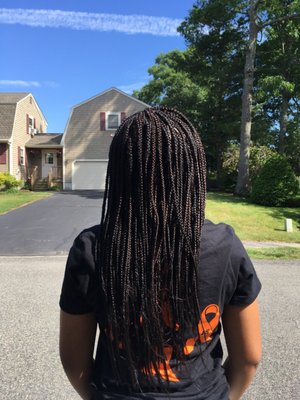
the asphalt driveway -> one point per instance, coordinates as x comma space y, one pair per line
49, 226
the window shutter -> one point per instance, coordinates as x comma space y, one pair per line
27, 123
102, 121
19, 155
123, 116
34, 122
3, 153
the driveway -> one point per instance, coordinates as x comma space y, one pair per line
49, 226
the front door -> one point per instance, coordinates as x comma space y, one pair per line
49, 160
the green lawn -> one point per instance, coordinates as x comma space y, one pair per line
253, 222
274, 253
9, 201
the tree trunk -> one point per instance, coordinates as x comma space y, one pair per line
243, 182
219, 165
283, 122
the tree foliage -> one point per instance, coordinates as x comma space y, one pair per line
278, 71
172, 85
276, 183
206, 80
258, 157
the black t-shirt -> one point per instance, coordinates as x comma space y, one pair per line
227, 276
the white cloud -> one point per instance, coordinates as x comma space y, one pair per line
131, 87
130, 24
19, 83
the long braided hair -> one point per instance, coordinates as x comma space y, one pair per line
148, 249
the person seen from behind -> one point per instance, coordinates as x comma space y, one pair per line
158, 279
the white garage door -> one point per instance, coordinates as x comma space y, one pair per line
89, 174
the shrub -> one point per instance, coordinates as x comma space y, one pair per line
258, 157
8, 181
276, 183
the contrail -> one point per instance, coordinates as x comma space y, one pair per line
129, 24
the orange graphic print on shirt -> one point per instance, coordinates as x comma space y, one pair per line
209, 320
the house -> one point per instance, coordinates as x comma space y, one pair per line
44, 160
79, 157
26, 151
88, 135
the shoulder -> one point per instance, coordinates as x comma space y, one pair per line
80, 286
86, 239
81, 254
216, 240
89, 234
220, 242
216, 231
223, 252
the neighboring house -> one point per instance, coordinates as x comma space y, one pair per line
79, 157
88, 135
44, 160
26, 151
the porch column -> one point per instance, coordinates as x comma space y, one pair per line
10, 158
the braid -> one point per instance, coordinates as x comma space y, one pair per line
148, 249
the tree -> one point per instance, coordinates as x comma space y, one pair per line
258, 157
208, 80
216, 62
278, 74
192, 82
240, 20
269, 13
243, 181
171, 85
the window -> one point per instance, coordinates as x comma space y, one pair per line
2, 153
30, 122
112, 121
22, 156
49, 158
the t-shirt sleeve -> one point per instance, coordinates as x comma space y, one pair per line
245, 283
79, 280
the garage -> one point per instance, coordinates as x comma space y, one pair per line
89, 174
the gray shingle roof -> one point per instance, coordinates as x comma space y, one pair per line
8, 102
7, 116
11, 98
44, 140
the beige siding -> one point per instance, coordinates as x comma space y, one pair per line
20, 134
83, 138
4, 167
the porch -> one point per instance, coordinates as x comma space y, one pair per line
44, 162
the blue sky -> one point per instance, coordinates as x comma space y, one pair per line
69, 50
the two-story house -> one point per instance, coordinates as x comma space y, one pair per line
79, 157
26, 151
88, 135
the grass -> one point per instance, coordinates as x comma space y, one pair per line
253, 222
274, 253
15, 199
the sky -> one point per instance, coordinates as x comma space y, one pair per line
66, 51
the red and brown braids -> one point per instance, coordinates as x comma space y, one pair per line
148, 249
